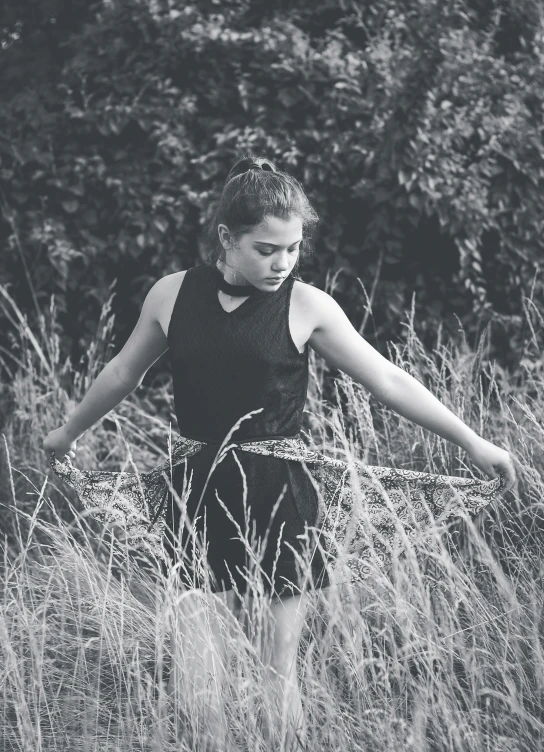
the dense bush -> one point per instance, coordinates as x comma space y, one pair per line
415, 126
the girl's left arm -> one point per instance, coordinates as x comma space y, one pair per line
341, 345
411, 399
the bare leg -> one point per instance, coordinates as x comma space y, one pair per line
199, 659
278, 645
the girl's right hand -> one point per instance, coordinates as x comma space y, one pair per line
60, 442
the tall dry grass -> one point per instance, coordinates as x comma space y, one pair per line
444, 652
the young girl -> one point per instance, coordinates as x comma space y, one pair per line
238, 329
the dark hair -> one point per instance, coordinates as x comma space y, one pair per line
255, 188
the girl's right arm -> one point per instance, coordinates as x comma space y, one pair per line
108, 389
122, 374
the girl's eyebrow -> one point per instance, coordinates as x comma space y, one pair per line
262, 242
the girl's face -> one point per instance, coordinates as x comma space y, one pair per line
270, 250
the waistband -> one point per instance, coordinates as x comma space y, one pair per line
238, 442
284, 447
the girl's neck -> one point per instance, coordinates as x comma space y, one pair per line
230, 275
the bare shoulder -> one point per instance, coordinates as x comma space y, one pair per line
165, 292
148, 340
336, 340
166, 285
312, 303
170, 281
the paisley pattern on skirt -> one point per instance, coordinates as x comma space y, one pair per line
365, 512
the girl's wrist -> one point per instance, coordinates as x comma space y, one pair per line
471, 441
71, 434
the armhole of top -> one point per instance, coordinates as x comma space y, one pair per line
176, 305
289, 337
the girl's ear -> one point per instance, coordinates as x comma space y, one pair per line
227, 240
224, 237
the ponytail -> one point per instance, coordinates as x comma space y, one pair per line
254, 189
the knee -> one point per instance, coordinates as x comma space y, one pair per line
197, 629
283, 658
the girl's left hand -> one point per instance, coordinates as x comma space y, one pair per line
492, 460
60, 443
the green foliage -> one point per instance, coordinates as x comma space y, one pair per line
415, 126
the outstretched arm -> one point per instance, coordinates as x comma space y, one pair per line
108, 389
119, 378
339, 343
409, 398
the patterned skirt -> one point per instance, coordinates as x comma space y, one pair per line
366, 514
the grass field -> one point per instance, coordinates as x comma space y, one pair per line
443, 653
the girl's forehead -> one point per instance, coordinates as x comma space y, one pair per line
275, 227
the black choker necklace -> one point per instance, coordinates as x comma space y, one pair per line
234, 290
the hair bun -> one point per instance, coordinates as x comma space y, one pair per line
244, 165
261, 164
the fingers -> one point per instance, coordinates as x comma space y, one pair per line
70, 454
509, 476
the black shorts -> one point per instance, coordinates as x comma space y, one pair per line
267, 478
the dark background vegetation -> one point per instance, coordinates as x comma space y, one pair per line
416, 128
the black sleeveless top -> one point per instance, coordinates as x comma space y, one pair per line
225, 365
